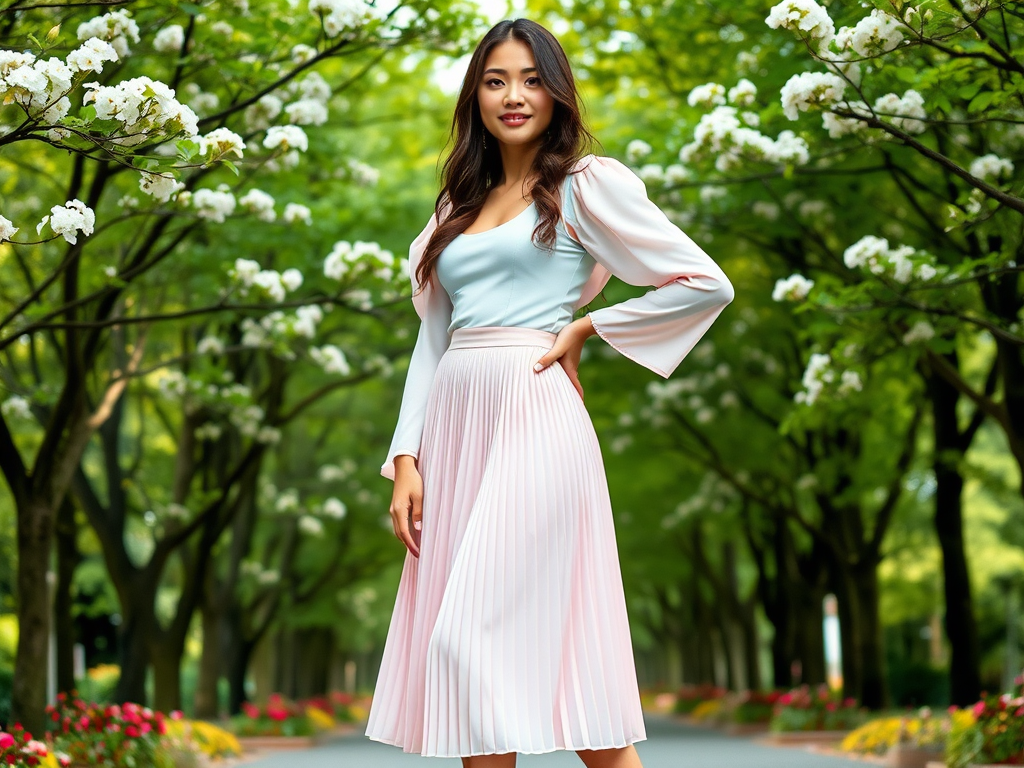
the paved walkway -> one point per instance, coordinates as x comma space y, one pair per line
669, 744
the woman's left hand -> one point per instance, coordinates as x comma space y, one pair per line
567, 349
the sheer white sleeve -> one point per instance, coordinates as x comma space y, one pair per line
632, 238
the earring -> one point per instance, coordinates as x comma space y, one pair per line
485, 141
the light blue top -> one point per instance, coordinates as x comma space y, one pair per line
502, 277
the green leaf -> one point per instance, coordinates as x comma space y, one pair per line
230, 165
981, 102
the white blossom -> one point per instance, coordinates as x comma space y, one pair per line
222, 28
765, 209
7, 229
907, 107
839, 126
793, 288
849, 382
363, 174
294, 212
70, 219
339, 15
875, 34
707, 95
260, 203
286, 137
89, 57
306, 318
816, 376
245, 271
637, 150
116, 27
803, 16
16, 406
208, 431
743, 93
302, 53
160, 186
260, 115
213, 204
807, 89
268, 435
307, 112
331, 359
221, 141
169, 39
991, 167
651, 173
311, 525
920, 331
210, 345
334, 508
146, 107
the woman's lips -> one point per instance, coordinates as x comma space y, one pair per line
518, 120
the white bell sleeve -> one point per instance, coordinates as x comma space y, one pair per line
611, 216
434, 308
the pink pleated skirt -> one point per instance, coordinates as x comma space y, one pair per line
509, 632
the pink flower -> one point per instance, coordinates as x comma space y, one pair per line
6, 740
176, 715
979, 708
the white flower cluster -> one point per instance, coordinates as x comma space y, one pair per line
333, 472
16, 406
637, 150
7, 229
260, 115
311, 526
294, 212
38, 86
339, 15
907, 107
721, 134
361, 173
819, 374
286, 137
214, 204
707, 95
743, 93
210, 345
803, 16
345, 255
259, 202
69, 219
220, 142
255, 570
334, 509
331, 359
839, 126
810, 89
991, 167
117, 27
247, 273
169, 39
90, 55
160, 186
144, 107
875, 34
920, 331
875, 254
793, 288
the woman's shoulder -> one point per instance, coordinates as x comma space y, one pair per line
593, 178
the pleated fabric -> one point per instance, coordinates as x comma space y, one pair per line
509, 632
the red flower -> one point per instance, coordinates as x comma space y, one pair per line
6, 740
251, 710
979, 708
131, 732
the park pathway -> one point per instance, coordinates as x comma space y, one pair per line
669, 744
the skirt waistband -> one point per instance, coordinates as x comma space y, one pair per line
501, 336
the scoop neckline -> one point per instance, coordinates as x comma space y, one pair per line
499, 226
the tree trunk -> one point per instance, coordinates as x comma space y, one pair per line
35, 535
874, 687
961, 627
207, 700
134, 637
166, 660
68, 558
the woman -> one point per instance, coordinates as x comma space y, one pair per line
510, 631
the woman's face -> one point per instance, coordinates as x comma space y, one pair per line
510, 86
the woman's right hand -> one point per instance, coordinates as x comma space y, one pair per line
407, 502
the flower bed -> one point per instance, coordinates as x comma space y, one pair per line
755, 707
921, 731
281, 717
803, 709
18, 748
689, 697
991, 732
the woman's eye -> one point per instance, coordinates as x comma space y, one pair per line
535, 79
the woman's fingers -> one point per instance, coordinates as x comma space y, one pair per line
550, 356
573, 375
400, 522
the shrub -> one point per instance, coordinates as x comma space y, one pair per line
18, 748
115, 735
211, 740
689, 696
990, 732
281, 717
802, 709
755, 706
879, 735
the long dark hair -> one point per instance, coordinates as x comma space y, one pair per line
470, 170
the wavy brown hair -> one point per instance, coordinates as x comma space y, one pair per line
470, 171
